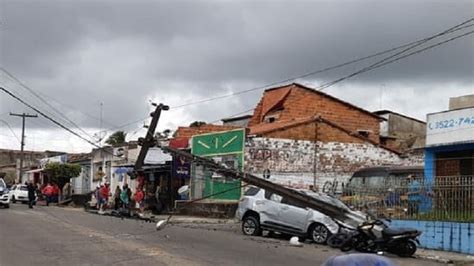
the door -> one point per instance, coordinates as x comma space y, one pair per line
269, 208
293, 216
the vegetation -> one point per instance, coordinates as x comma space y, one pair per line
62, 173
117, 138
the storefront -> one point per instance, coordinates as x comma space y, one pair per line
226, 148
450, 144
449, 162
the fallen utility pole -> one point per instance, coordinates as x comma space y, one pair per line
294, 195
23, 116
300, 198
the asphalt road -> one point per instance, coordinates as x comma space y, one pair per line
63, 236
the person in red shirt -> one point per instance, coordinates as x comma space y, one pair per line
140, 199
55, 192
104, 196
48, 192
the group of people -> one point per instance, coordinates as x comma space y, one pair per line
123, 198
50, 192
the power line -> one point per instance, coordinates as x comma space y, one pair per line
49, 118
11, 130
312, 73
380, 64
387, 60
44, 101
411, 45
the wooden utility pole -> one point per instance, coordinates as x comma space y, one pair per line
149, 140
23, 116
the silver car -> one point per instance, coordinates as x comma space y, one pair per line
262, 210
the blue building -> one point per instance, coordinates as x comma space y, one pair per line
450, 141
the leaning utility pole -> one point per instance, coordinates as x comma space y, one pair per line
23, 116
149, 140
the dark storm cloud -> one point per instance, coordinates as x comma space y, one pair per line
122, 53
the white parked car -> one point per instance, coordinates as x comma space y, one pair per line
19, 193
262, 210
4, 195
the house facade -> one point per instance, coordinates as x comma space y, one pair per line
304, 137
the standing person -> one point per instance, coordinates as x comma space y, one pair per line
157, 198
413, 195
66, 191
31, 194
48, 192
55, 192
125, 197
97, 196
104, 196
117, 195
139, 200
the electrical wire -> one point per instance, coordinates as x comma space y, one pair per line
11, 130
312, 73
44, 101
382, 62
49, 118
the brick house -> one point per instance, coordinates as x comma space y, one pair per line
294, 106
306, 137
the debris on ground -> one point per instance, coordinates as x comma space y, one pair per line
295, 241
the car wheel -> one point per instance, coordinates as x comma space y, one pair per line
6, 206
251, 226
319, 233
13, 199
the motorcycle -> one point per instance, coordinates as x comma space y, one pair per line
376, 236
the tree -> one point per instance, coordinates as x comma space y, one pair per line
61, 173
117, 138
197, 124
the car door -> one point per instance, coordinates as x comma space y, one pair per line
293, 216
269, 208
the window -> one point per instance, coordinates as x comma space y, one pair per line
252, 191
292, 203
273, 197
272, 117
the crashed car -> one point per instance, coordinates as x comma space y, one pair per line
260, 210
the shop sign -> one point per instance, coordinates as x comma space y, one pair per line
450, 127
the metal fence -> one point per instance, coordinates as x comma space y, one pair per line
446, 198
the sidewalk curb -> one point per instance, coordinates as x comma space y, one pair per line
190, 220
450, 261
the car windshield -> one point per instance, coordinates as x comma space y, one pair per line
24, 188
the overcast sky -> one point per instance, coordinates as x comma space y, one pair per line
78, 54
